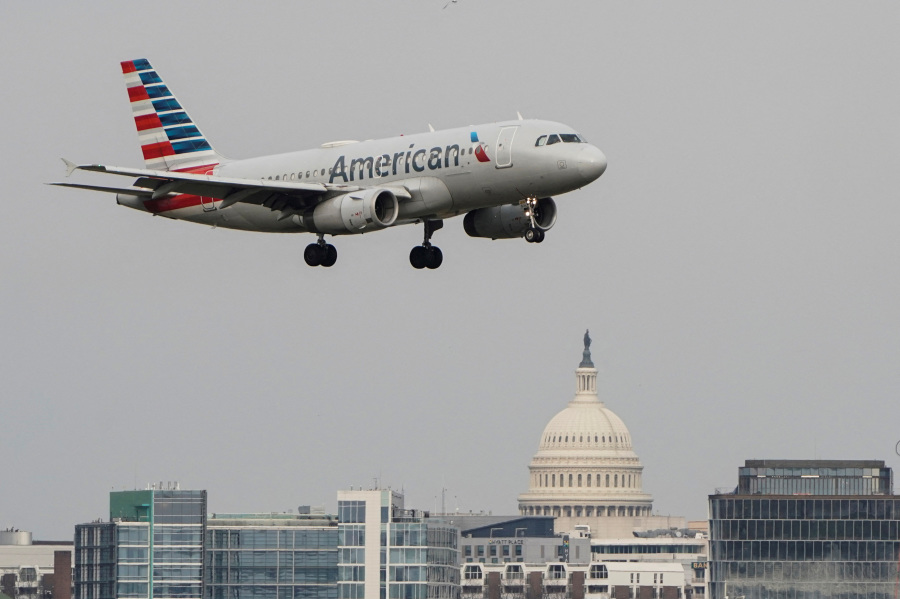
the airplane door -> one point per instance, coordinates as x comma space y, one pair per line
504, 146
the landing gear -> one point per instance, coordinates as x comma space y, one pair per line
427, 255
533, 234
320, 253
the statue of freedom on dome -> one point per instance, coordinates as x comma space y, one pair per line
586, 355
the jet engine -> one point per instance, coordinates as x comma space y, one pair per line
506, 222
355, 212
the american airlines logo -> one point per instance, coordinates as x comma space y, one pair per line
418, 160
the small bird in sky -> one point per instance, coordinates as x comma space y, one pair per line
449, 2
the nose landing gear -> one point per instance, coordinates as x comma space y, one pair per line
320, 253
533, 234
427, 255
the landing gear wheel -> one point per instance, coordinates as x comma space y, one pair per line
329, 256
532, 235
418, 257
314, 255
435, 257
426, 255
540, 236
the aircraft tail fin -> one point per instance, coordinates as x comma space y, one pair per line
169, 138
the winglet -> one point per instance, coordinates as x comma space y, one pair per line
70, 166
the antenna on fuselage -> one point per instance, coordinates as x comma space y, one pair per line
430, 128
519, 114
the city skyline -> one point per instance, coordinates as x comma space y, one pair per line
735, 263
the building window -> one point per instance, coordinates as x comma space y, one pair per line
599, 571
579, 480
570, 480
589, 480
607, 480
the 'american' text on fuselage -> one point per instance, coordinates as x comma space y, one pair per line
384, 165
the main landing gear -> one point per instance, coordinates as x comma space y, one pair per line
320, 253
427, 255
533, 234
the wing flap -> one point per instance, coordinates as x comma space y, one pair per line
124, 190
213, 180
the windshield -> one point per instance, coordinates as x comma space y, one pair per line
569, 138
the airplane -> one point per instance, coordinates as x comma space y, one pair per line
501, 176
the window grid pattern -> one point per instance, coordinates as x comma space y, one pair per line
801, 547
269, 563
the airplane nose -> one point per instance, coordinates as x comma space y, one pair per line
591, 163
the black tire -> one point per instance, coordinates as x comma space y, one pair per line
530, 235
540, 236
313, 254
418, 257
435, 257
330, 256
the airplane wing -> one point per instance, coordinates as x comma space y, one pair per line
283, 196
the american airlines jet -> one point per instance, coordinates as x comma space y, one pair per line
501, 176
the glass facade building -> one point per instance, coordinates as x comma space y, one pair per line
798, 529
271, 556
388, 552
152, 548
95, 561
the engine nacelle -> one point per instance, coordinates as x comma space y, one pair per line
355, 212
506, 222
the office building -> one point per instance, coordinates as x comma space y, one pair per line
271, 556
388, 552
152, 547
799, 529
32, 569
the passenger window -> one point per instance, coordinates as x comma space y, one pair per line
316, 173
553, 139
541, 140
285, 177
292, 176
307, 174
276, 177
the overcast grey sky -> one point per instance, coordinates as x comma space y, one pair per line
737, 263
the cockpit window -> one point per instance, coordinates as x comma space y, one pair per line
571, 138
553, 139
541, 140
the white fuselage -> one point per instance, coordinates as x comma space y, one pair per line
443, 173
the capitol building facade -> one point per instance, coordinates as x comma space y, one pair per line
586, 472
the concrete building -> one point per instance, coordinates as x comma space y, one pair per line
586, 472
271, 556
388, 552
558, 580
32, 569
152, 547
806, 529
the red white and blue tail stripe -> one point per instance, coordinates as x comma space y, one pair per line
169, 138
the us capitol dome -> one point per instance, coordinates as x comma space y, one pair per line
585, 471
